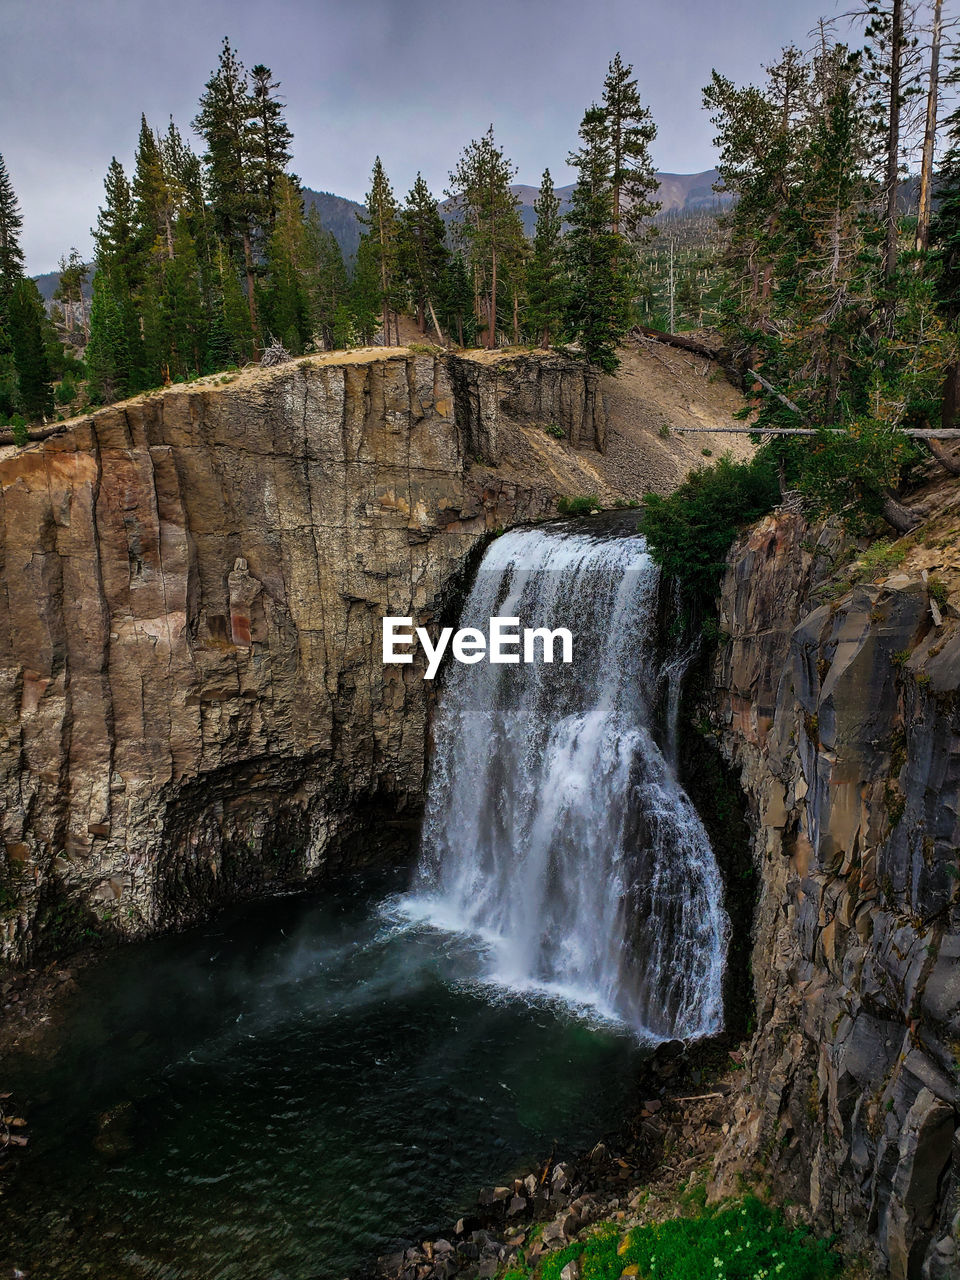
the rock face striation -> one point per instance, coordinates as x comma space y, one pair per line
192, 701
838, 701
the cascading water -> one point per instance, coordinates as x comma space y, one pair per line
555, 827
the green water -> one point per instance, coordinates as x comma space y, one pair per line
292, 1089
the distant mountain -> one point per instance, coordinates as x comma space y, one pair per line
339, 215
679, 192
49, 282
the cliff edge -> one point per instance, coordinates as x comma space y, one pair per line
192, 702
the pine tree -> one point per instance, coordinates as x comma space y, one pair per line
107, 356
422, 251
226, 123
457, 314
366, 290
270, 142
890, 61
631, 131
945, 229
599, 304
327, 283
153, 204
488, 224
382, 232
115, 235
546, 281
26, 321
286, 303
69, 291
11, 221
230, 320
119, 358
8, 375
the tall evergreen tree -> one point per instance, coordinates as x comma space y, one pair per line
11, 221
599, 303
11, 271
381, 221
366, 290
230, 337
327, 284
945, 229
457, 314
422, 252
118, 362
286, 302
109, 364
69, 291
26, 321
631, 131
488, 224
153, 203
546, 280
184, 322
270, 141
226, 123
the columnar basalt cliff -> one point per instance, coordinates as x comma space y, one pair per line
192, 702
837, 699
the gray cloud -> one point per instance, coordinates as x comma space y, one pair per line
411, 80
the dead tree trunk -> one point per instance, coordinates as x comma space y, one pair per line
893, 141
930, 130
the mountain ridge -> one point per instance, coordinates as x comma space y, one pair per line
678, 193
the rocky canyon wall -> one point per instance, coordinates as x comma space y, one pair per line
837, 698
192, 702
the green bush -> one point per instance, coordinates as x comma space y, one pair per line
938, 591
65, 392
18, 425
690, 531
555, 430
577, 506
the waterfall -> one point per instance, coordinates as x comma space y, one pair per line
555, 828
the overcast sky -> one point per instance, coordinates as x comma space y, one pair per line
410, 79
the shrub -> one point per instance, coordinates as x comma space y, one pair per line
878, 558
577, 506
690, 531
556, 431
938, 590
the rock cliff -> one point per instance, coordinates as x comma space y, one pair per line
192, 702
837, 699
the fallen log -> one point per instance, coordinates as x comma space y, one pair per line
720, 354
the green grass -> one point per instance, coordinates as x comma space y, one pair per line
745, 1240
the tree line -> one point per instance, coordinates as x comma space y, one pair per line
836, 287
841, 285
202, 259
840, 282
